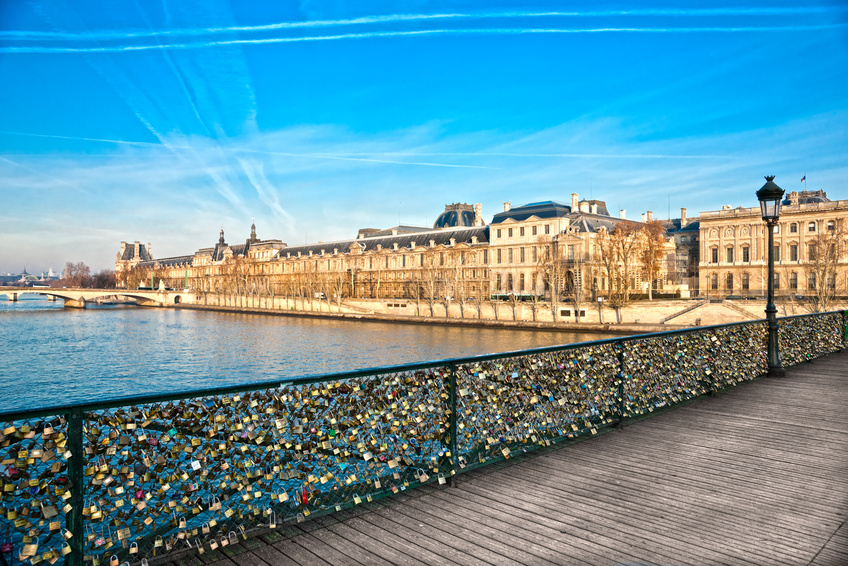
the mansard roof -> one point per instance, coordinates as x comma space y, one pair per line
542, 209
440, 237
129, 253
589, 223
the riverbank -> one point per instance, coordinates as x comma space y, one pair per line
639, 318
619, 329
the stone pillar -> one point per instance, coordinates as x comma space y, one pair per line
75, 304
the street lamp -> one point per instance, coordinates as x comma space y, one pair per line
770, 196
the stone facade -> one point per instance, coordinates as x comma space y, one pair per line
733, 255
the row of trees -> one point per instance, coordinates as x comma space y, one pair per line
79, 275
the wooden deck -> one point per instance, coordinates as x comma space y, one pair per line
755, 476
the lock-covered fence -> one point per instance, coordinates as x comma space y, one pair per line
148, 477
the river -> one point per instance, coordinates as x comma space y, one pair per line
51, 356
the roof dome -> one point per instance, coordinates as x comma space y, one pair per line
455, 215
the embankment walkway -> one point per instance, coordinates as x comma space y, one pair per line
755, 476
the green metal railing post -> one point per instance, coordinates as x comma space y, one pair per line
845, 327
454, 429
620, 355
75, 473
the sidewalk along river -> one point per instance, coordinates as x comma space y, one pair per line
50, 355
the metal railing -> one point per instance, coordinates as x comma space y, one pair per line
152, 476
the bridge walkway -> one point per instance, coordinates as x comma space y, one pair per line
754, 476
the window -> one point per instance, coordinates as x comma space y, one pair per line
441, 258
404, 261
485, 257
387, 261
535, 255
521, 282
499, 258
831, 281
571, 252
421, 260
811, 282
811, 227
746, 255
521, 259
729, 282
534, 229
811, 252
793, 280
793, 228
498, 233
509, 282
714, 281
509, 232
777, 281
498, 281
793, 252
729, 255
777, 252
547, 228
831, 226
746, 282
713, 255
509, 253
521, 231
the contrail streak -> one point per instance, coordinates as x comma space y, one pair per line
76, 138
343, 158
396, 18
369, 35
43, 174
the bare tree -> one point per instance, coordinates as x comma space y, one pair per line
822, 266
551, 267
652, 252
77, 275
104, 280
617, 253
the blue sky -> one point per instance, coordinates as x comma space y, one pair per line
162, 121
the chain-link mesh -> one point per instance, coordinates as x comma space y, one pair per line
36, 489
204, 471
807, 337
509, 403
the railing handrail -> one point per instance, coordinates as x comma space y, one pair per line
338, 376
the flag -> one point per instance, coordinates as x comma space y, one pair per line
804, 178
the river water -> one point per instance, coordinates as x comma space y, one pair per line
51, 356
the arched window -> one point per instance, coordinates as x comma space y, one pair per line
509, 282
793, 228
746, 282
811, 282
498, 281
714, 281
729, 282
521, 281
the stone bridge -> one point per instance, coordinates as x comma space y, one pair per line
78, 298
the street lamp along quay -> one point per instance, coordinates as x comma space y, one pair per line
770, 196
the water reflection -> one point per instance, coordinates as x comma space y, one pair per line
51, 355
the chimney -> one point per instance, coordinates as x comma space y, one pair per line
412, 245
395, 246
507, 206
453, 242
478, 214
622, 213
574, 205
123, 247
650, 216
643, 217
682, 217
149, 250
473, 240
394, 231
136, 245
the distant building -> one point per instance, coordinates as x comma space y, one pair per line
733, 255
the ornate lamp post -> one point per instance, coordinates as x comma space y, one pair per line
770, 196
